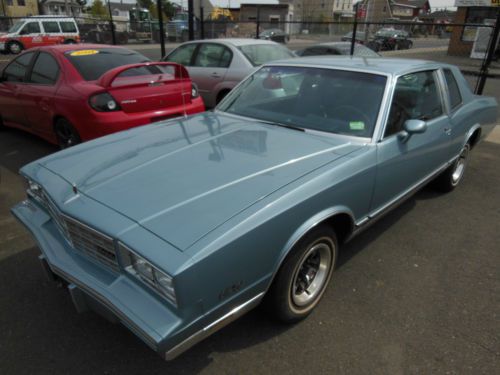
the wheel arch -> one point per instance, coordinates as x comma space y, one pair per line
473, 135
340, 218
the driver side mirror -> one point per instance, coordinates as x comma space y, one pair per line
411, 127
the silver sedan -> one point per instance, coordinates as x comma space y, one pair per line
218, 65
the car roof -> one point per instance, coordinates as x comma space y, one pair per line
235, 41
377, 65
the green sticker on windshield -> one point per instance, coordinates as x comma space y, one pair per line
357, 125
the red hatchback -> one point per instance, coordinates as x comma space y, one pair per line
72, 93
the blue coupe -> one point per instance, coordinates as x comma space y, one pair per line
178, 228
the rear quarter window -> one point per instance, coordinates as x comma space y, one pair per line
453, 89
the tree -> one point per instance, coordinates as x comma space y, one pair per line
98, 9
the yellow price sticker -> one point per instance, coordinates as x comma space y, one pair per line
84, 52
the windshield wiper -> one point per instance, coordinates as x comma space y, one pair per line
293, 127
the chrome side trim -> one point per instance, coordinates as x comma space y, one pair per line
213, 327
360, 224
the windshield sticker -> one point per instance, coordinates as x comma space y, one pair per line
357, 125
84, 52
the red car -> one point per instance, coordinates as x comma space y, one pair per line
72, 93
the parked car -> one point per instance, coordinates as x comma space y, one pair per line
276, 35
337, 48
217, 65
39, 31
390, 39
178, 228
72, 93
360, 37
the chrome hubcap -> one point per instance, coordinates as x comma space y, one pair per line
460, 164
312, 273
15, 48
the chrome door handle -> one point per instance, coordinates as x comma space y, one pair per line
215, 75
447, 131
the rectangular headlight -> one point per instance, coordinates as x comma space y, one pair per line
33, 189
149, 274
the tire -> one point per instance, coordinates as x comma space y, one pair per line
304, 275
66, 134
453, 175
221, 96
14, 47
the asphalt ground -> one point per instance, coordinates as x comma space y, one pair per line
418, 292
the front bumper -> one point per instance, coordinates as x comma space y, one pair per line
116, 296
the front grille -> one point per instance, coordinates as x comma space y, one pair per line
84, 239
92, 243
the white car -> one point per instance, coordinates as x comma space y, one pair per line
218, 65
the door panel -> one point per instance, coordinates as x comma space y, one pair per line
402, 164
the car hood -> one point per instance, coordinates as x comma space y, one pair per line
183, 178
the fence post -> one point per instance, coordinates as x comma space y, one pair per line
258, 22
202, 22
190, 19
483, 74
111, 24
160, 24
355, 27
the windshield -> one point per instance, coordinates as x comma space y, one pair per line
93, 63
259, 54
334, 101
16, 27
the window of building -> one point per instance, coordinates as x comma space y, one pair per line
9, 2
21, 3
480, 15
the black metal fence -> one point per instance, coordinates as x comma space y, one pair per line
471, 46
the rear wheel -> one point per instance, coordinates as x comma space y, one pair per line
221, 96
14, 47
66, 134
304, 275
453, 175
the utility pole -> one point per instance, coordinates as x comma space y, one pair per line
190, 19
111, 25
162, 32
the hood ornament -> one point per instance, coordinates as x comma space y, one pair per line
75, 190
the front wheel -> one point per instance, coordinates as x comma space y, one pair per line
14, 48
454, 174
304, 275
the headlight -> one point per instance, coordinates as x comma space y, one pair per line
149, 274
33, 189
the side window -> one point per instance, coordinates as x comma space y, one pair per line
68, 27
183, 54
45, 70
213, 56
454, 91
16, 70
51, 27
30, 28
416, 97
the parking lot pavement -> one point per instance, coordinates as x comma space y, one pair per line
418, 292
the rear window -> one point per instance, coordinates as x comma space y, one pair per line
92, 64
259, 54
68, 27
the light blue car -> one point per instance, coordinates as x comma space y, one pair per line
178, 228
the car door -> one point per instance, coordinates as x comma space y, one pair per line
210, 65
14, 76
39, 93
30, 35
404, 163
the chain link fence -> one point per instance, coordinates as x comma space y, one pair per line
462, 44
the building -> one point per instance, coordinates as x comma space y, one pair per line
121, 9
401, 10
465, 38
60, 8
19, 8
